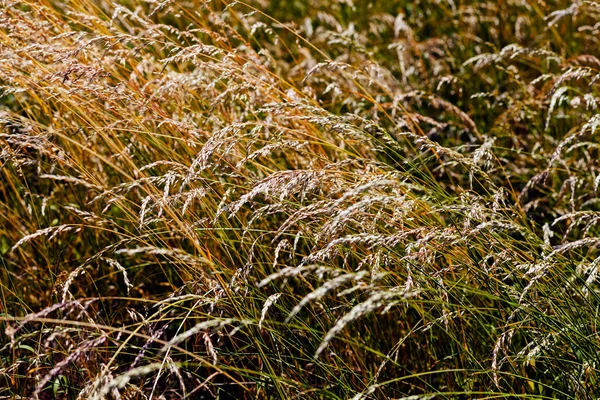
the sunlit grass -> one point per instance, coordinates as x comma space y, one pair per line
327, 200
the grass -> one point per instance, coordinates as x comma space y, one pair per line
329, 200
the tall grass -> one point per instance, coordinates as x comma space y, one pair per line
353, 199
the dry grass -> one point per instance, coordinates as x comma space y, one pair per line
256, 200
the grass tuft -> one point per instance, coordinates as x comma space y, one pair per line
353, 199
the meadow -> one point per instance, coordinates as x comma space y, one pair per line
318, 199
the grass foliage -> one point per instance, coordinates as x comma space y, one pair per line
341, 199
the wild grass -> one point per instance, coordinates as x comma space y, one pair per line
353, 199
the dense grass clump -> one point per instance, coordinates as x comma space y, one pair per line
325, 199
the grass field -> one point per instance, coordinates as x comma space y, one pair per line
299, 200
